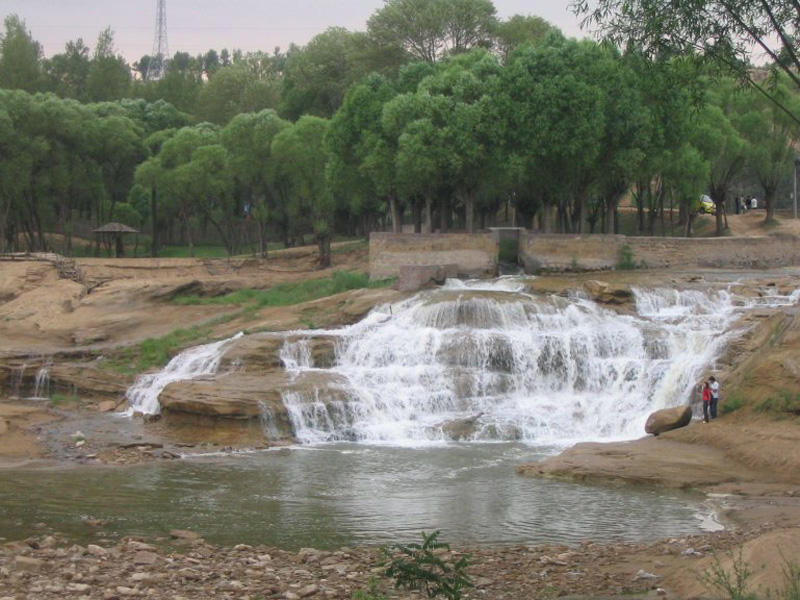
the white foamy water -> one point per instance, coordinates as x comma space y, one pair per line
192, 363
546, 371
486, 361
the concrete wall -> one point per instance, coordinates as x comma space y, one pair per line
590, 252
474, 254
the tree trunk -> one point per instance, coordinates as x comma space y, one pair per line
469, 207
428, 227
154, 216
546, 219
416, 215
397, 217
324, 244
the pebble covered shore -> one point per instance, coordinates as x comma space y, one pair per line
187, 568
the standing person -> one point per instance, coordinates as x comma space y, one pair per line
706, 401
714, 396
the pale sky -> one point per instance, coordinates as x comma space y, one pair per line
195, 26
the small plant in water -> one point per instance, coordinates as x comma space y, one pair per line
422, 567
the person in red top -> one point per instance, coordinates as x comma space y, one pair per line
706, 400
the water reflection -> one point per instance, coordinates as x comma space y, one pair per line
331, 496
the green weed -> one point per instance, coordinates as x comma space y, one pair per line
734, 584
733, 403
421, 567
785, 402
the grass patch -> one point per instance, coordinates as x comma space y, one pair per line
733, 403
785, 402
154, 352
63, 399
286, 294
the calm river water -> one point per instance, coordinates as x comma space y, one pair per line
334, 495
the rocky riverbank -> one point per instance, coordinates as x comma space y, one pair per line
49, 567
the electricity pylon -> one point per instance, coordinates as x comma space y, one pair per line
158, 60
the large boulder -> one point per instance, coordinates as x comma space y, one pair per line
413, 278
606, 293
668, 418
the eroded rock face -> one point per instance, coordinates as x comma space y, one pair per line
261, 352
667, 419
241, 397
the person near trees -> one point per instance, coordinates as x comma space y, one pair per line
714, 396
706, 401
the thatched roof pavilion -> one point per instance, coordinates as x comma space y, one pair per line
117, 230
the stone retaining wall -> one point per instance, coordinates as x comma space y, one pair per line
474, 254
591, 252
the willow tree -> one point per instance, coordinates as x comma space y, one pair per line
727, 32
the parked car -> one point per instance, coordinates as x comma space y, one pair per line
707, 206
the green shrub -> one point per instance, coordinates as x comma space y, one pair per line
786, 402
733, 403
421, 567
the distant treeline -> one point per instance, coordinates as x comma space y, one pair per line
452, 123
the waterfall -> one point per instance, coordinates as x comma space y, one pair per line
500, 364
16, 382
195, 362
41, 385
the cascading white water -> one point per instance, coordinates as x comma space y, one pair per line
19, 377
41, 385
196, 362
548, 371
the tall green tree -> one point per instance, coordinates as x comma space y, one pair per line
235, 90
248, 139
726, 152
67, 72
429, 30
773, 139
555, 124
518, 30
109, 77
361, 168
302, 159
317, 76
20, 57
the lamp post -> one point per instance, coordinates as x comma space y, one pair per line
794, 198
